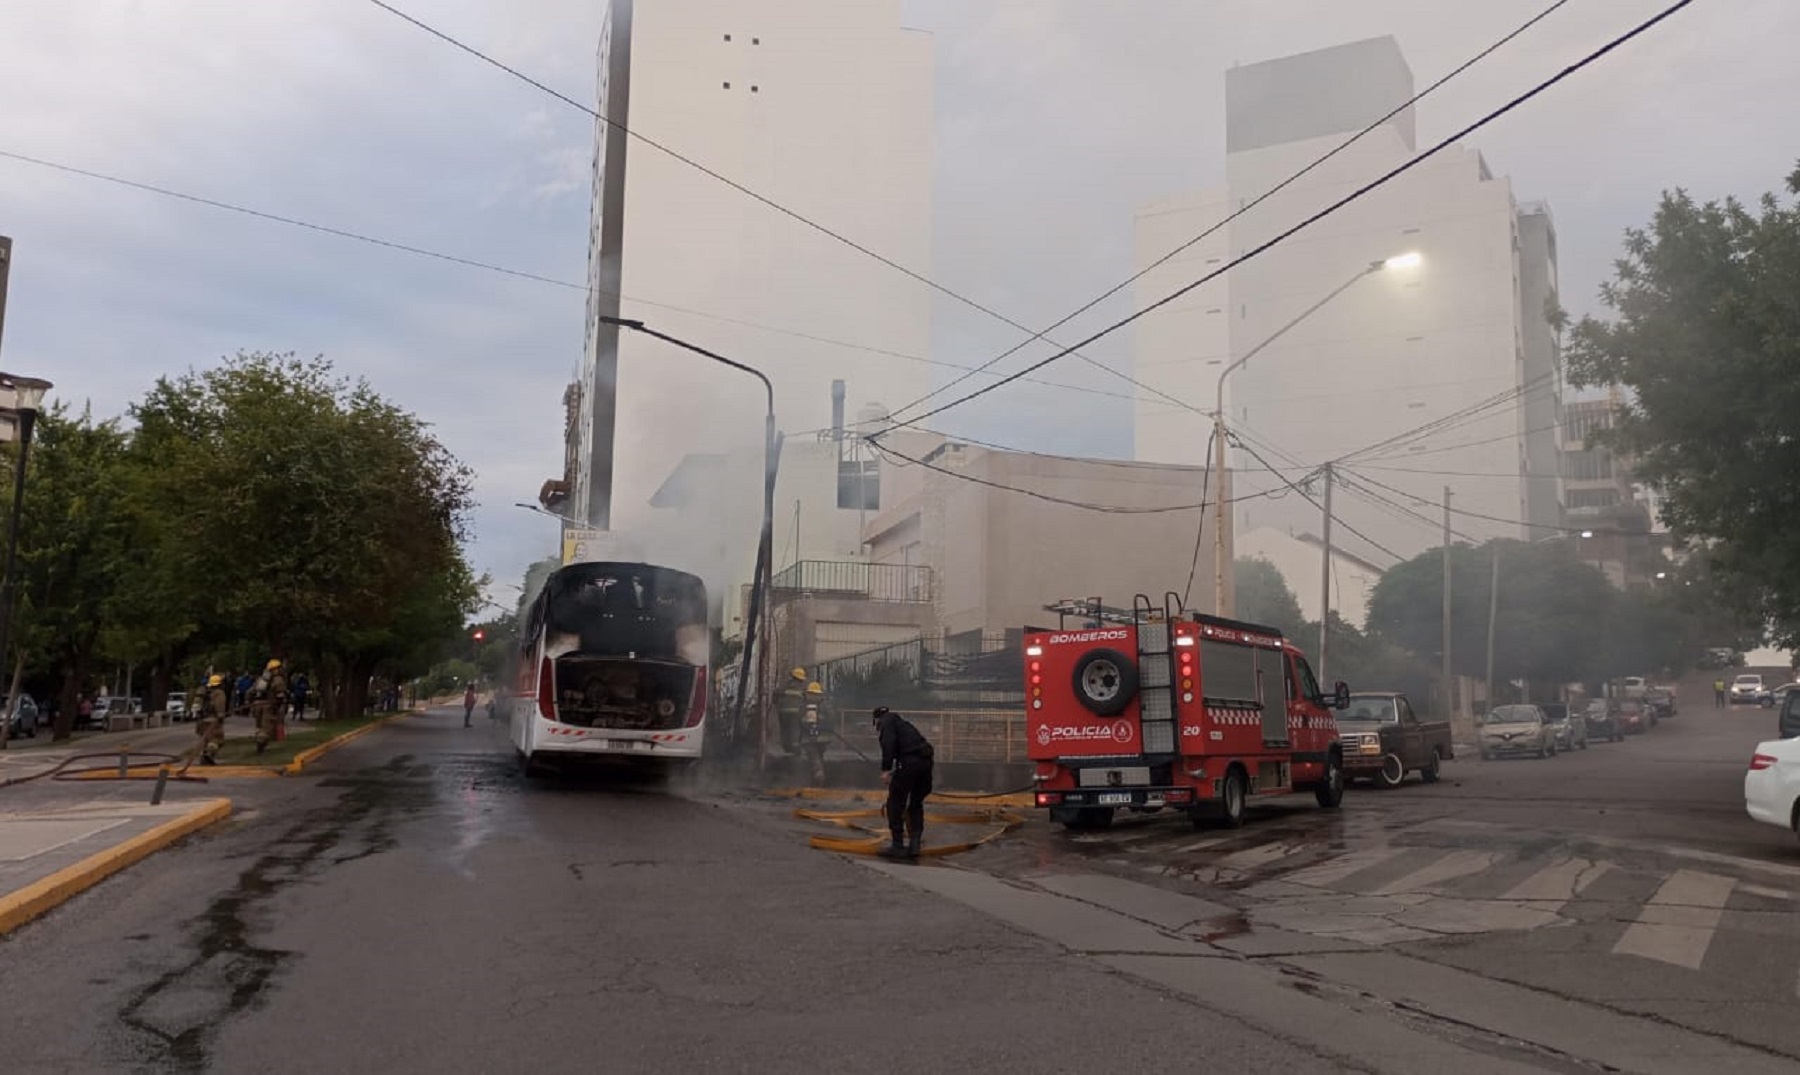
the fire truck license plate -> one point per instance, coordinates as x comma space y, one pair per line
1115, 798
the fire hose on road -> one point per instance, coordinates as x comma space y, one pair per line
1006, 820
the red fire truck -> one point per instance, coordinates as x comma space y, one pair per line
1158, 707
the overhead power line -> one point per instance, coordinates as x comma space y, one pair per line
1108, 509
1321, 214
1298, 487
473, 263
754, 195
1240, 211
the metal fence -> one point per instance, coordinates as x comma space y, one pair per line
969, 737
974, 669
903, 583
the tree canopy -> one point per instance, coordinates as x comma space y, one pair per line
262, 507
1705, 333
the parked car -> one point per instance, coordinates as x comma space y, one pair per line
1634, 716
175, 705
1787, 724
1571, 732
1748, 689
1776, 697
1772, 786
21, 718
1517, 729
1634, 686
1661, 701
1384, 739
1602, 719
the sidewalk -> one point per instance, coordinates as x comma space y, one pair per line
23, 760
49, 855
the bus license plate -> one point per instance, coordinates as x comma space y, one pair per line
624, 744
1115, 798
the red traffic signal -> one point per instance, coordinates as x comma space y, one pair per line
480, 635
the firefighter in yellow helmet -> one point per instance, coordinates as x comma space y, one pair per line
789, 709
213, 703
268, 704
812, 723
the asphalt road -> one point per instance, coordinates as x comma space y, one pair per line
416, 906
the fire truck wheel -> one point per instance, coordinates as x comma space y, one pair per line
1105, 682
1330, 792
1231, 798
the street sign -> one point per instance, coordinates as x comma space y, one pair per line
583, 546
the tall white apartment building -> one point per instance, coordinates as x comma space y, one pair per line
1458, 336
822, 106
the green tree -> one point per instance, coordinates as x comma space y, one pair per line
306, 513
1263, 597
1550, 618
1705, 333
73, 550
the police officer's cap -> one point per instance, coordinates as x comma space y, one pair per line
878, 712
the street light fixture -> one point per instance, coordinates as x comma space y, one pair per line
765, 546
28, 398
1223, 549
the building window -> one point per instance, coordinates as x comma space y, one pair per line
754, 89
859, 485
756, 41
727, 85
728, 37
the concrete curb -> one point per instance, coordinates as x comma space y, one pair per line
18, 908
311, 754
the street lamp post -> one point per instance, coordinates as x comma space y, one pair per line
765, 552
28, 397
1224, 597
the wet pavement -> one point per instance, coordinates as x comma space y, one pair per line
415, 905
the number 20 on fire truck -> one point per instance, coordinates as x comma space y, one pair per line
1157, 707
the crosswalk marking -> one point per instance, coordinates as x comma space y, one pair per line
1251, 858
1449, 867
1559, 882
1329, 873
1677, 925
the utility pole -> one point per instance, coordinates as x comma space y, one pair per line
1493, 614
1325, 583
1449, 681
1224, 595
5, 270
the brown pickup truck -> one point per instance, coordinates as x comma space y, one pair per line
1384, 740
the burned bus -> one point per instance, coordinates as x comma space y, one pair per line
613, 666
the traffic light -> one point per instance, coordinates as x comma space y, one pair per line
480, 635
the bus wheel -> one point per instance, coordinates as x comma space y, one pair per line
1232, 797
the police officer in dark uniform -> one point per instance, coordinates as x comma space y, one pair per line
906, 758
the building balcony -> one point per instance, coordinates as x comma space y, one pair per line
854, 580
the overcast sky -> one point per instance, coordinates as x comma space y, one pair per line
1056, 118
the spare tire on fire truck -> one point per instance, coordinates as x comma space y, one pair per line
1105, 682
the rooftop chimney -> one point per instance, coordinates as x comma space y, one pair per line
837, 411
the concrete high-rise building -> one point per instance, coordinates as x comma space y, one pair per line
1440, 370
821, 106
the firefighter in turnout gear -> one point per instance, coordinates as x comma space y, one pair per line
268, 705
214, 701
906, 762
790, 708
812, 732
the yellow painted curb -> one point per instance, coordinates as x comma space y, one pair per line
958, 798
311, 754
20, 907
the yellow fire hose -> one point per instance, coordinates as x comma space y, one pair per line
869, 845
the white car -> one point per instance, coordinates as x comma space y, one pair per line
176, 705
1772, 786
1747, 688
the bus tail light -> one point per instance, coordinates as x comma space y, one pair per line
697, 705
546, 689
